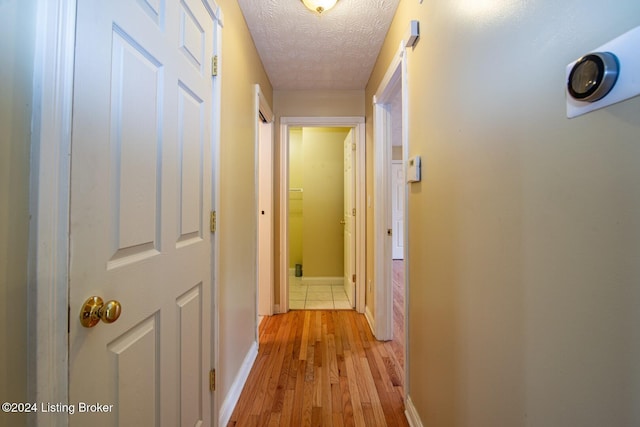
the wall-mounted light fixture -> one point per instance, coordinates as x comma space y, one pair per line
319, 6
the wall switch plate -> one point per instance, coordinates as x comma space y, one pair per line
413, 169
625, 48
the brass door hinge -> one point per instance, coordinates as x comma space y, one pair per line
353, 278
212, 380
353, 212
212, 222
214, 65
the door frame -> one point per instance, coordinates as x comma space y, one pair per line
50, 183
395, 78
358, 125
264, 291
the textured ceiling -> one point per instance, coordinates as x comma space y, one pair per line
303, 50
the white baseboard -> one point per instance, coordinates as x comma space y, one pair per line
411, 414
276, 308
370, 319
322, 280
231, 399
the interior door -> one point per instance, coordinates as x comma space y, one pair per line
265, 219
348, 219
140, 197
397, 209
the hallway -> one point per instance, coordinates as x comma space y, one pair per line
320, 368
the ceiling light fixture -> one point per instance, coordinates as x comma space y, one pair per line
319, 5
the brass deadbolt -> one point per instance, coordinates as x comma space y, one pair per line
94, 310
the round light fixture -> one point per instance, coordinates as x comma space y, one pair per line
593, 76
319, 6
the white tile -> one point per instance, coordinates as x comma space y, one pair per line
297, 297
319, 305
296, 305
342, 305
340, 296
320, 288
319, 296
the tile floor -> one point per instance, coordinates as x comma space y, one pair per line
316, 297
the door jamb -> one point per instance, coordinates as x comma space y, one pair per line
218, 22
358, 125
396, 75
50, 182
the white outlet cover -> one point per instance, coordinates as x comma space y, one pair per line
625, 48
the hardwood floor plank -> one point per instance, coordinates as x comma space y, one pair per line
305, 335
287, 409
354, 390
320, 368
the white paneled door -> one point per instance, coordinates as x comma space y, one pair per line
140, 197
397, 209
348, 219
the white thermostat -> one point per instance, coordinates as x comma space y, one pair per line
413, 169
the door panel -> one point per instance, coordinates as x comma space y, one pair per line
265, 219
349, 218
134, 140
397, 209
135, 356
140, 197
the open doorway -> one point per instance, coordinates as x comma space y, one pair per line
390, 202
322, 236
397, 183
321, 247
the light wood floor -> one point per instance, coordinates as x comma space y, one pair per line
321, 368
395, 347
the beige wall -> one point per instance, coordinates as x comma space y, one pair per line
524, 301
17, 41
307, 103
323, 180
315, 234
237, 213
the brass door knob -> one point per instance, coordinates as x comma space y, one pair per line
94, 310
343, 222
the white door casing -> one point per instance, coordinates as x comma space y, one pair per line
395, 79
140, 197
348, 218
264, 150
397, 209
357, 123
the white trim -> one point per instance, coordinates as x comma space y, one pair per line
50, 186
358, 124
396, 76
261, 107
382, 200
231, 400
412, 414
314, 281
215, 200
370, 318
